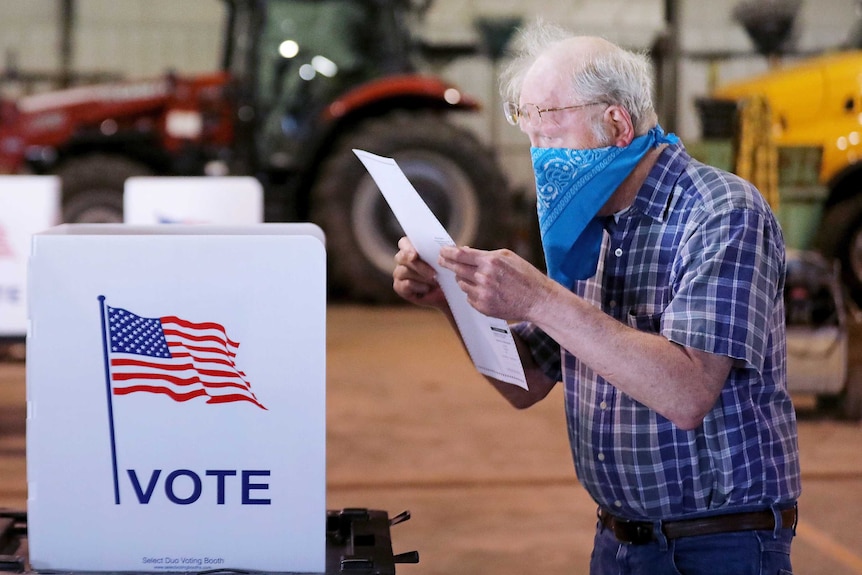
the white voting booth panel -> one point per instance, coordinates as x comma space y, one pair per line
28, 204
192, 200
176, 398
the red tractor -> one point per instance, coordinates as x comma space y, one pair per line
303, 82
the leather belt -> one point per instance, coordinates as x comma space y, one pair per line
642, 532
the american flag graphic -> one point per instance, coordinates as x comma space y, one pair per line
168, 355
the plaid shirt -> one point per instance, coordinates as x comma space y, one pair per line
699, 259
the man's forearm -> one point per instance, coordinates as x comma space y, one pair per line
680, 383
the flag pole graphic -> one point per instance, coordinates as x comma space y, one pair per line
110, 401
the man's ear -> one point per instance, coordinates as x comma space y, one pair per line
619, 122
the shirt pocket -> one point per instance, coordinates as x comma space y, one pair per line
644, 320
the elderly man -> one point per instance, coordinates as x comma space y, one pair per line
661, 313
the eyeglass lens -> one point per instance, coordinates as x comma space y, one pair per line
529, 113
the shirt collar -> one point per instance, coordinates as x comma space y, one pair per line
657, 192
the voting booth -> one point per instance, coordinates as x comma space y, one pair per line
28, 204
228, 200
176, 398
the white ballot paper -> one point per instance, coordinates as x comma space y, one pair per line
488, 340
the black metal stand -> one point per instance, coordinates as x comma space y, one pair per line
358, 542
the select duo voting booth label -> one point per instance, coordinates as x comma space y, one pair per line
176, 398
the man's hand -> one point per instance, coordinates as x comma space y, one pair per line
415, 280
498, 283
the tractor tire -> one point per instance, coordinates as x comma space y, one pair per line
840, 237
93, 187
455, 175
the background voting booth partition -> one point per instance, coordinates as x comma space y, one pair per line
28, 204
193, 200
31, 204
176, 398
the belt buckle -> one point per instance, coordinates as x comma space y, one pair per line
633, 532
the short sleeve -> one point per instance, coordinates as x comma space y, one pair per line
728, 282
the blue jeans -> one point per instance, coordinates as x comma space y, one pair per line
738, 553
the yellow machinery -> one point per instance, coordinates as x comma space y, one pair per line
815, 119
788, 176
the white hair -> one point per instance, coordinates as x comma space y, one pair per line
613, 75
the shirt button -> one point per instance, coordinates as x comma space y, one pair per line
612, 304
603, 405
601, 456
618, 503
618, 252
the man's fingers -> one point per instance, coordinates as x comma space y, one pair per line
466, 263
463, 254
405, 244
408, 257
416, 288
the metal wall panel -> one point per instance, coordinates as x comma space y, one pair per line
146, 37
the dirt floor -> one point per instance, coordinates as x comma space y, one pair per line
412, 426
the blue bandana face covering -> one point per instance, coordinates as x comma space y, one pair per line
572, 186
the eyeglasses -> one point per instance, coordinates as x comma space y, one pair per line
531, 114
